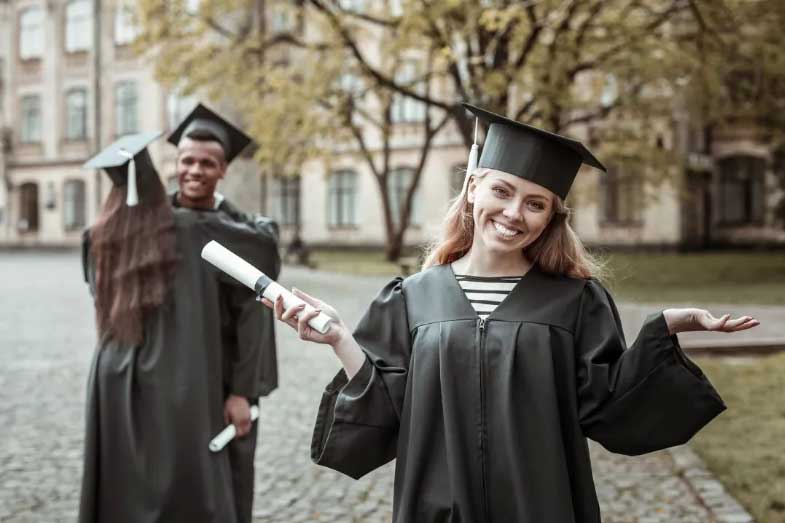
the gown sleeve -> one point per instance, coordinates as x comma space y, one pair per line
248, 328
357, 424
635, 400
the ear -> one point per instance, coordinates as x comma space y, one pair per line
471, 187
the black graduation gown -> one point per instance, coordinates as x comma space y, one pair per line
488, 419
153, 408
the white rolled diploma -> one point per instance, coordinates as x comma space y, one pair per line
228, 434
252, 277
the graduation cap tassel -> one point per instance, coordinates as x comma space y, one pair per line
132, 198
472, 165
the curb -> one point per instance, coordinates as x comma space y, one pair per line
754, 347
710, 492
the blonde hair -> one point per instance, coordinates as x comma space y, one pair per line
558, 250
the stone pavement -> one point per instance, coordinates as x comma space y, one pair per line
46, 343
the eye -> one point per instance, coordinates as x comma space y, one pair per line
500, 191
536, 205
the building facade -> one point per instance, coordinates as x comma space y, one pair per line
70, 85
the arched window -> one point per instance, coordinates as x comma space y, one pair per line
126, 121
31, 33
74, 204
398, 182
78, 26
341, 196
741, 189
28, 207
76, 114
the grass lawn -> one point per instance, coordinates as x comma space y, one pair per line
745, 446
716, 277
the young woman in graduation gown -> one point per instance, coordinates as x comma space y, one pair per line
488, 417
162, 368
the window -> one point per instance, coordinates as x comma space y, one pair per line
125, 108
74, 204
621, 197
78, 26
28, 207
177, 108
192, 7
741, 192
404, 108
341, 196
31, 119
76, 114
281, 19
125, 30
398, 182
286, 203
31, 33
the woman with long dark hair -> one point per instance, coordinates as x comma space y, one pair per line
484, 374
163, 369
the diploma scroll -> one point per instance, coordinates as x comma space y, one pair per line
262, 284
228, 434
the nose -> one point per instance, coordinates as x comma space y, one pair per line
514, 212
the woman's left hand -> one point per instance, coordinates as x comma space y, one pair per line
685, 320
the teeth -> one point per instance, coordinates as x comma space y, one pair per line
504, 231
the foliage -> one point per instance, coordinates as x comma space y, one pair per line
318, 77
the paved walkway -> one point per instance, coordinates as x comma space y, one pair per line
46, 340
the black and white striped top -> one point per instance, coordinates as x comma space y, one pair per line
485, 294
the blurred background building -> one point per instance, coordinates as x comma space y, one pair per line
70, 85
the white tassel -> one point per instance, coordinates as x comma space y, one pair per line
132, 198
473, 153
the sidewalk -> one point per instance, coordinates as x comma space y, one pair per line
767, 337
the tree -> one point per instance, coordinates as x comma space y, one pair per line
611, 67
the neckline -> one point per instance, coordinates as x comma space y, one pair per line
467, 304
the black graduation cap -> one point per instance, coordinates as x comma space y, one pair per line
545, 158
203, 123
125, 160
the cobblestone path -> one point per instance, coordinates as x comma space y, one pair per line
46, 343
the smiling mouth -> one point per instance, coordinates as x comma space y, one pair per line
505, 232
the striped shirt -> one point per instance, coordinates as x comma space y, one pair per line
485, 294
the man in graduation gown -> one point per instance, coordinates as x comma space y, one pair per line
154, 406
206, 145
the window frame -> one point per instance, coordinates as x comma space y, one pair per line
31, 46
749, 180
24, 124
76, 206
84, 29
342, 199
615, 186
121, 104
69, 94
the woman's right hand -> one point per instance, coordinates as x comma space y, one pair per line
298, 320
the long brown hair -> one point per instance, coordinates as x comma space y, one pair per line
134, 252
558, 250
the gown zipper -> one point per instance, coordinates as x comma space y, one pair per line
481, 356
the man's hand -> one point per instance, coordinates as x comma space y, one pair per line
237, 411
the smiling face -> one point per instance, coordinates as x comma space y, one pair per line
509, 213
200, 165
